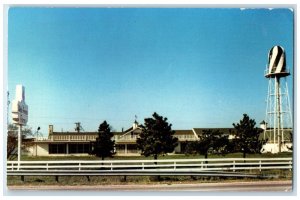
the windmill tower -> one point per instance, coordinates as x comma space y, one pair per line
278, 127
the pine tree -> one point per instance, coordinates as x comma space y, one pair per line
104, 145
247, 136
157, 137
211, 140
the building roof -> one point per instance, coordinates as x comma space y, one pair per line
82, 133
286, 132
74, 133
198, 131
183, 132
177, 132
227, 131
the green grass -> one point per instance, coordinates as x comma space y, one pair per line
175, 156
119, 180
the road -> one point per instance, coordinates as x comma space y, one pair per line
259, 186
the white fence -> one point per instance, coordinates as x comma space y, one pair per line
146, 167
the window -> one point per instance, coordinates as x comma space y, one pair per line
72, 148
132, 148
57, 149
79, 148
120, 148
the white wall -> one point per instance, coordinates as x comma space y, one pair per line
40, 149
274, 148
178, 148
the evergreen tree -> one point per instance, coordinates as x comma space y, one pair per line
157, 137
247, 136
210, 141
104, 145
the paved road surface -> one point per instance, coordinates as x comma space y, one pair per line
259, 186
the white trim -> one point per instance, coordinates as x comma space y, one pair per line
130, 131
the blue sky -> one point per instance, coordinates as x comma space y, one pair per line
197, 67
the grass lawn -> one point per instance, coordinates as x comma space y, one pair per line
175, 156
132, 180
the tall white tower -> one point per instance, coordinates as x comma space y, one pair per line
278, 113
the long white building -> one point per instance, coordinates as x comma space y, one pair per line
78, 143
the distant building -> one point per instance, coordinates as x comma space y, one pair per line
78, 143
270, 146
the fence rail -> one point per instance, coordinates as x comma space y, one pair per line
224, 167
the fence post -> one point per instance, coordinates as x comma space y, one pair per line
47, 167
260, 165
290, 165
233, 166
201, 164
111, 166
79, 166
174, 165
143, 167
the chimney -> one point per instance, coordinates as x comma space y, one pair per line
50, 129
